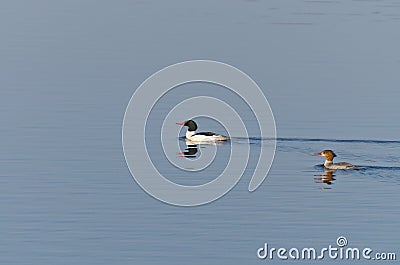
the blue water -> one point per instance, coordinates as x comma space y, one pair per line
328, 68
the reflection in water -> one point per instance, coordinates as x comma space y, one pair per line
191, 150
327, 177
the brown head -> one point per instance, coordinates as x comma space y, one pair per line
329, 154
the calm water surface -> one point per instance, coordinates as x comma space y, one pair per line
328, 68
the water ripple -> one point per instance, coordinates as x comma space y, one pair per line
281, 139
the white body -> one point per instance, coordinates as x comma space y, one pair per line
198, 138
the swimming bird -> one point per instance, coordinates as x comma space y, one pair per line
329, 155
201, 136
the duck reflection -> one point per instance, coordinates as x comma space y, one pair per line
326, 178
191, 150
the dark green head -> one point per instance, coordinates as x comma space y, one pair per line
192, 126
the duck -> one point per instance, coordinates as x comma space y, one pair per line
201, 136
329, 155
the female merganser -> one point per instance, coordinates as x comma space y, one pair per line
329, 155
201, 136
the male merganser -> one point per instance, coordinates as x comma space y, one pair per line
201, 136
329, 155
